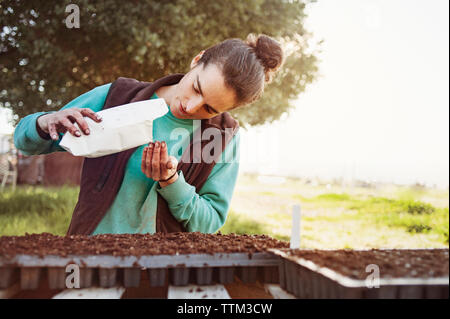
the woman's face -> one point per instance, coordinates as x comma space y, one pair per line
201, 94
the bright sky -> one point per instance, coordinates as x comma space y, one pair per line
380, 110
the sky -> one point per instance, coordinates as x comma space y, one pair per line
379, 110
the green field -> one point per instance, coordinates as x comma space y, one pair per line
332, 216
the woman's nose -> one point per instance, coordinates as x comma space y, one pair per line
194, 104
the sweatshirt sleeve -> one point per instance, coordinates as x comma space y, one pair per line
205, 211
27, 138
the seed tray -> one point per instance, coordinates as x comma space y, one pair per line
305, 279
108, 271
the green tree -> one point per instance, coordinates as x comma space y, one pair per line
44, 64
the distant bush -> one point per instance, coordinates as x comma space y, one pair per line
418, 228
419, 208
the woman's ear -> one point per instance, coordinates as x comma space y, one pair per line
196, 59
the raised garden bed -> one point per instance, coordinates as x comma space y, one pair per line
109, 260
403, 273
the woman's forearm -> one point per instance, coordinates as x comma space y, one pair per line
29, 135
206, 213
28, 140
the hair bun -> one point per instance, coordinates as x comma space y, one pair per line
268, 51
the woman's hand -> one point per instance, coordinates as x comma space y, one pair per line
63, 121
158, 165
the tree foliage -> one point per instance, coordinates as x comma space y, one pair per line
44, 64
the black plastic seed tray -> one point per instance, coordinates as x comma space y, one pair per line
306, 280
108, 271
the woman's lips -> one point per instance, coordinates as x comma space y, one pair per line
182, 110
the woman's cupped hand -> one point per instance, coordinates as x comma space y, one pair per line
158, 165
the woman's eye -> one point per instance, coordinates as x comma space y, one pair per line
208, 110
196, 91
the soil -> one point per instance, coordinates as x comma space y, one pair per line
240, 290
135, 244
392, 263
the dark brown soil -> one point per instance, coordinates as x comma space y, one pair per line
392, 263
135, 244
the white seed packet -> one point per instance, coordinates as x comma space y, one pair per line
122, 127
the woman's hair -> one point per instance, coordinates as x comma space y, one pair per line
246, 65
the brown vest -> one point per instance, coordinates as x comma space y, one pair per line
102, 177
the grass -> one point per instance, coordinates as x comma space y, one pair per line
409, 215
37, 209
332, 216
347, 217
240, 224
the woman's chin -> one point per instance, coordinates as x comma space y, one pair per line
175, 112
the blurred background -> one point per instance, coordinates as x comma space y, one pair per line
355, 128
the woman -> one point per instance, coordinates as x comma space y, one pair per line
157, 188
